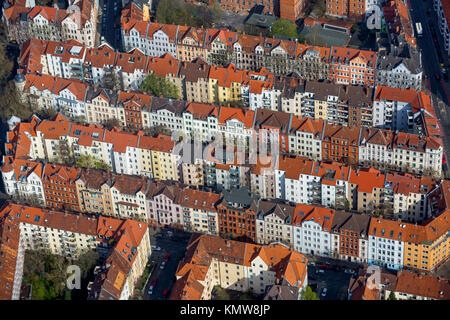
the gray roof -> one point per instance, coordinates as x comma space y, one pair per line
242, 196
397, 55
282, 292
355, 222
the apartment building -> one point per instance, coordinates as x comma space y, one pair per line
236, 265
399, 23
70, 235
78, 22
400, 68
312, 230
23, 179
352, 66
273, 221
200, 211
413, 286
403, 284
353, 9
341, 144
350, 236
236, 219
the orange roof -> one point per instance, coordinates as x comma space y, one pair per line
225, 76
367, 179
161, 143
287, 265
162, 66
321, 215
243, 115
202, 111
344, 55
422, 285
121, 140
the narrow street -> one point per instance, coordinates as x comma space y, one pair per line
169, 244
429, 44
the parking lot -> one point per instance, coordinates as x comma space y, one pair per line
336, 282
173, 244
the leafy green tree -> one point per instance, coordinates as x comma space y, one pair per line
88, 161
179, 12
87, 261
285, 28
158, 86
308, 294
110, 123
392, 296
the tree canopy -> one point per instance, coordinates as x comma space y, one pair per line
88, 161
158, 86
285, 28
308, 294
188, 14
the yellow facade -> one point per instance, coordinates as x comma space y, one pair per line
320, 110
164, 166
426, 256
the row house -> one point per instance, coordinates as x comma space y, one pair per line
78, 22
273, 221
405, 110
350, 232
23, 179
200, 211
126, 244
352, 9
59, 187
220, 47
312, 230
408, 152
399, 23
400, 68
240, 266
345, 104
370, 147
236, 219
352, 66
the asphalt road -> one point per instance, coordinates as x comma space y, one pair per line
431, 46
336, 283
165, 277
110, 21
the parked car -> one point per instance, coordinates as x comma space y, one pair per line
324, 266
444, 160
153, 283
324, 292
155, 248
165, 293
348, 271
167, 256
320, 271
165, 260
163, 265
150, 290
